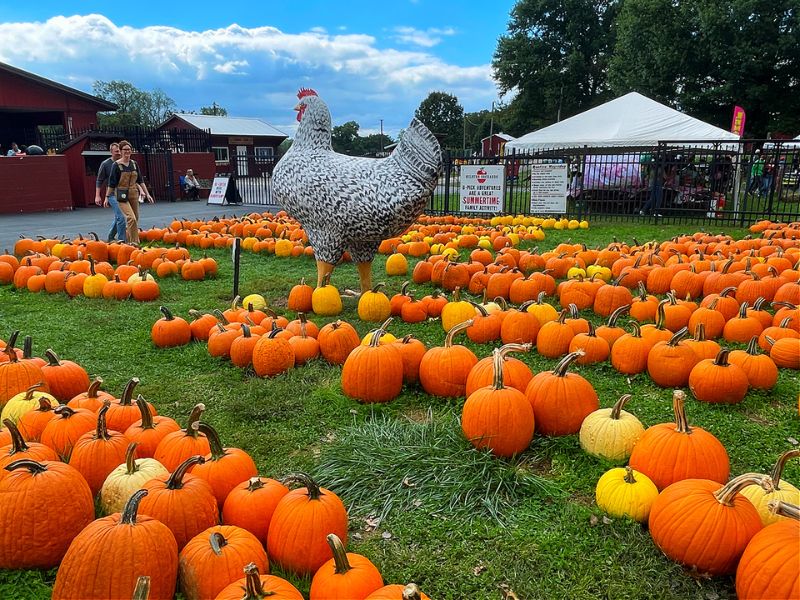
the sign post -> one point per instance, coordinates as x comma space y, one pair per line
236, 254
549, 188
737, 127
482, 188
218, 189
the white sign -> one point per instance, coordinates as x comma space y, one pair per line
549, 188
218, 189
483, 188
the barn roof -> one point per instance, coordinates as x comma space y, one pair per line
103, 105
231, 125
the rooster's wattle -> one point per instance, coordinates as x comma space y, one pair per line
352, 204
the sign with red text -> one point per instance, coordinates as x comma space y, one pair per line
218, 189
483, 188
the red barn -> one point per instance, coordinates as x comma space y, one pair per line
35, 110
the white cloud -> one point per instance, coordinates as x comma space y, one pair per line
426, 38
252, 71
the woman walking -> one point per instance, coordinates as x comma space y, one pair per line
124, 182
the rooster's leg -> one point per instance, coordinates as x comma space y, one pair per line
324, 269
365, 274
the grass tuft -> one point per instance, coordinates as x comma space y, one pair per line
386, 464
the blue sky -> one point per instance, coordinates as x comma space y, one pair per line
368, 60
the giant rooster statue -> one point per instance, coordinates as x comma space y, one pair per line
348, 203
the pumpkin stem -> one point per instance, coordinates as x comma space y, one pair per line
785, 322
722, 358
506, 349
777, 470
130, 459
752, 346
617, 408
560, 369
63, 411
217, 451
404, 288
629, 478
27, 347
142, 589
700, 333
743, 310
194, 418
480, 308
17, 441
314, 491
497, 364
220, 317
681, 422
26, 463
660, 314
573, 311
132, 507
253, 588
144, 410
411, 592
727, 291
254, 483
448, 340
784, 509
339, 554
166, 312
52, 358
678, 336
29, 392
94, 387
127, 393
726, 494
175, 481
612, 319
101, 432
246, 330
235, 302
218, 542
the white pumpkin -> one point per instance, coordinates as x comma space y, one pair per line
611, 433
128, 477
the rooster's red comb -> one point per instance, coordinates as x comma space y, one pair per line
305, 92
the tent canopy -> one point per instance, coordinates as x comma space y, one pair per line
630, 120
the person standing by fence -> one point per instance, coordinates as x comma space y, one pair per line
124, 181
756, 173
103, 173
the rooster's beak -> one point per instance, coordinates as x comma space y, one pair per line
297, 106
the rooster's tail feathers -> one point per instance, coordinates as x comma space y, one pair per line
419, 149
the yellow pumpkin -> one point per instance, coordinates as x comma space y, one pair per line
584, 224
782, 490
325, 300
24, 402
623, 492
576, 273
257, 300
543, 311
374, 306
599, 272
456, 311
142, 275
611, 433
386, 338
128, 477
396, 264
93, 285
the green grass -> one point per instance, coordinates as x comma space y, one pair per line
541, 535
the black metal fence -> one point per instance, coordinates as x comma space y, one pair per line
719, 182
143, 139
251, 176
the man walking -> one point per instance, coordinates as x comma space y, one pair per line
103, 173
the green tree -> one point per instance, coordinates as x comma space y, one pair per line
344, 138
215, 110
480, 124
444, 116
555, 56
705, 56
135, 107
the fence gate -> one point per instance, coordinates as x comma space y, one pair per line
158, 175
251, 175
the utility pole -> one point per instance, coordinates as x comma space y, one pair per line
381, 137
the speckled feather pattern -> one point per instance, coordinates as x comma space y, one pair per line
348, 203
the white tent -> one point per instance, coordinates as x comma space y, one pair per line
785, 144
630, 120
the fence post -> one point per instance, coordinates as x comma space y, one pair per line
448, 165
